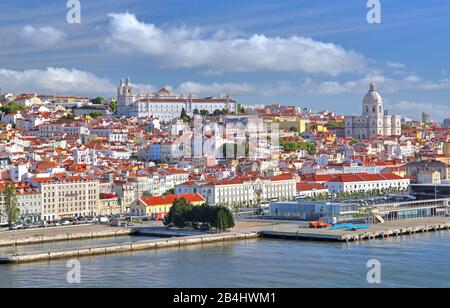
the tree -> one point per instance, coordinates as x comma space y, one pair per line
196, 112
178, 213
68, 116
223, 219
98, 100
183, 214
11, 209
113, 105
170, 192
204, 113
95, 114
184, 116
12, 108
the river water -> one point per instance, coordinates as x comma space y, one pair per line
412, 261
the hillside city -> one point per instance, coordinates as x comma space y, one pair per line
68, 158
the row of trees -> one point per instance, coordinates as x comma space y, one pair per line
12, 108
292, 146
361, 194
183, 214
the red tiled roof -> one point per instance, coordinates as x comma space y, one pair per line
309, 186
169, 199
365, 177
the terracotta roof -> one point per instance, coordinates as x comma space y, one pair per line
169, 199
309, 186
365, 177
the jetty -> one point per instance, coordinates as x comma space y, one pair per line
375, 231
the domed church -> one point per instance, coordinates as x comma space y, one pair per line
374, 120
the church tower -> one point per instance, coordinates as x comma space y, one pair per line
125, 98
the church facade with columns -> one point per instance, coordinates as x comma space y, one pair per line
374, 121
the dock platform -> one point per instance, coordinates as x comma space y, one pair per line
388, 229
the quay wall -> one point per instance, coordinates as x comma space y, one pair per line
39, 239
129, 247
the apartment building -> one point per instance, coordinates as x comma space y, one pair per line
67, 197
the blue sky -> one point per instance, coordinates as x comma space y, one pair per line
322, 54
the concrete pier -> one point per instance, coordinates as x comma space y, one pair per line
63, 235
395, 228
128, 247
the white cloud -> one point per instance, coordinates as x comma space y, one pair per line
414, 109
75, 82
384, 84
246, 89
55, 80
184, 47
215, 88
395, 65
44, 36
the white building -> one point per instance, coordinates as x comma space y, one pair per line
29, 204
67, 197
366, 182
242, 191
374, 121
165, 105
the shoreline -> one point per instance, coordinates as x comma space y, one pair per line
180, 238
129, 247
41, 239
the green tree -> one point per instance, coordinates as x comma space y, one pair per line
113, 105
11, 209
12, 108
170, 192
204, 113
179, 213
98, 100
95, 114
69, 116
184, 116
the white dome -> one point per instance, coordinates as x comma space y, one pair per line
372, 97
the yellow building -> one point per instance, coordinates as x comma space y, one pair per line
157, 207
446, 148
297, 125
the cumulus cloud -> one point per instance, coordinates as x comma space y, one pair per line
43, 36
76, 82
414, 110
245, 89
196, 87
384, 84
395, 65
182, 47
55, 80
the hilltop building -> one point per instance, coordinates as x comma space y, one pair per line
373, 121
164, 104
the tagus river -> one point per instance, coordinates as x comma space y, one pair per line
411, 261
